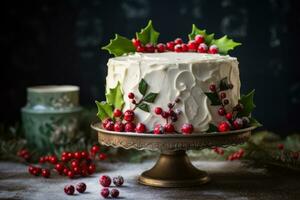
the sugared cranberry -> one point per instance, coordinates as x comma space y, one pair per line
114, 193
165, 114
223, 127
238, 123
202, 48
109, 126
149, 48
104, 192
119, 127
213, 49
118, 181
59, 167
117, 113
130, 95
136, 42
226, 101
104, 123
141, 49
91, 168
178, 48
228, 116
81, 187
169, 128
129, 115
69, 189
221, 111
170, 46
94, 149
102, 156
192, 45
161, 47
184, 47
223, 95
158, 110
199, 39
105, 181
158, 129
212, 87
129, 127
178, 41
187, 129
140, 128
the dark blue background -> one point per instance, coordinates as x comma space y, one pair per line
58, 42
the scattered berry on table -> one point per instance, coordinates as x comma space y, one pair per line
102, 156
104, 192
114, 193
118, 181
105, 181
45, 173
81, 187
69, 189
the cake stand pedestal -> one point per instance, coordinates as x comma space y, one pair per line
173, 168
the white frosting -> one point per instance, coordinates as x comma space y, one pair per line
183, 75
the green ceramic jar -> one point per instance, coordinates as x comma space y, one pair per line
51, 116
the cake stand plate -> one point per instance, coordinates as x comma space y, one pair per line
173, 168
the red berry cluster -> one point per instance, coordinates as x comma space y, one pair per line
70, 189
236, 155
36, 171
24, 154
105, 181
196, 45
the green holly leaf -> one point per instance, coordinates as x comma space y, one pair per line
144, 107
148, 34
119, 46
196, 31
224, 84
214, 99
254, 122
143, 86
114, 97
248, 104
150, 98
212, 128
225, 44
105, 110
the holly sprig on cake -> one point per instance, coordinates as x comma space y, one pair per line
146, 41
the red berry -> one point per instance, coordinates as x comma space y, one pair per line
223, 127
202, 48
158, 129
47, 158
70, 174
118, 181
42, 160
104, 192
95, 148
104, 123
149, 48
280, 146
114, 193
117, 113
140, 128
228, 116
295, 155
81, 187
64, 158
170, 46
59, 167
119, 127
130, 95
129, 127
76, 170
53, 159
46, 173
213, 49
184, 47
223, 95
84, 154
187, 129
129, 115
161, 47
212, 87
36, 171
192, 45
74, 163
178, 48
105, 181
65, 171
169, 128
91, 168
109, 126
70, 155
133, 101
238, 123
30, 169
178, 41
77, 155
102, 156
136, 42
141, 49
222, 111
84, 171
199, 39
158, 110
226, 101
69, 189
165, 114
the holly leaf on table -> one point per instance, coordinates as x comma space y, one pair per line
148, 34
119, 46
248, 104
143, 86
214, 99
150, 98
114, 97
225, 44
144, 107
196, 31
105, 110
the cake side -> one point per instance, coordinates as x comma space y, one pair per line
186, 76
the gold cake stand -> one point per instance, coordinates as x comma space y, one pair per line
173, 168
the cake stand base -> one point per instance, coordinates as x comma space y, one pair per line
173, 169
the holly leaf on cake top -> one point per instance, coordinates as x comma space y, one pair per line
248, 104
114, 97
225, 44
143, 86
105, 110
119, 45
196, 31
150, 98
148, 34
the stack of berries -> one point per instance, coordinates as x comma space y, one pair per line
105, 181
